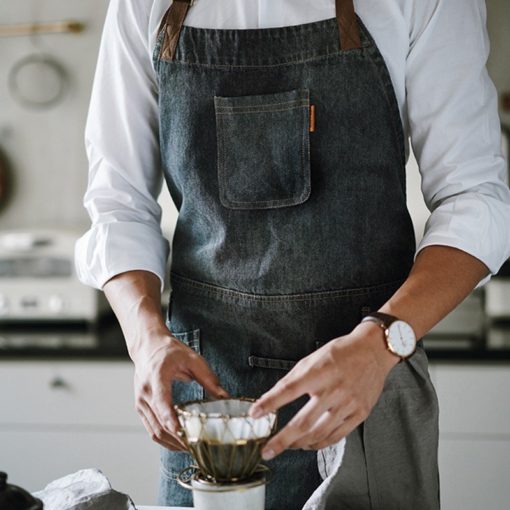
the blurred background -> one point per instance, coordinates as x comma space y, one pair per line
66, 399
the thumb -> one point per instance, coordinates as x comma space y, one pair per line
203, 374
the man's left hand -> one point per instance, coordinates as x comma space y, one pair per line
344, 379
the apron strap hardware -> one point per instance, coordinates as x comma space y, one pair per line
174, 17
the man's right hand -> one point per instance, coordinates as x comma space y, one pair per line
159, 357
162, 360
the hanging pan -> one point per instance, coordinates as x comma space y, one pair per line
5, 180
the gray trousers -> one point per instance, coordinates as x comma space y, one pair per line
390, 460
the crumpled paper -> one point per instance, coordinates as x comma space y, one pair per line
329, 460
87, 489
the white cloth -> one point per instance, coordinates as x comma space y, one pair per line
87, 489
329, 461
436, 53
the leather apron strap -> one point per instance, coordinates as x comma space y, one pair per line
172, 22
347, 25
176, 14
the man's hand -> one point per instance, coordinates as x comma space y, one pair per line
162, 360
343, 379
159, 357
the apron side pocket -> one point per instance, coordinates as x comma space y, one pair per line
274, 363
185, 391
171, 464
190, 338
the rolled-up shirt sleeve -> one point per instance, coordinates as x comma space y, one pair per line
121, 140
456, 134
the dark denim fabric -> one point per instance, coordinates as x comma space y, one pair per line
339, 223
285, 237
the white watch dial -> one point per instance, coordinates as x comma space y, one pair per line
402, 338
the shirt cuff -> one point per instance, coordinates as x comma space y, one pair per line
112, 248
474, 223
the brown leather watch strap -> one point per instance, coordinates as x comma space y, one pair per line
172, 22
347, 25
385, 317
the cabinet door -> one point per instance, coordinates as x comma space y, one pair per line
33, 458
473, 399
474, 474
68, 393
474, 424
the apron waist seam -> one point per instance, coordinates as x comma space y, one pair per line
211, 289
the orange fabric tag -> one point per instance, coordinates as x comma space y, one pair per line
312, 118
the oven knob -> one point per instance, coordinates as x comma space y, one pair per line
4, 305
56, 303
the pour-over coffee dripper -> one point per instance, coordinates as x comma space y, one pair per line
223, 439
226, 446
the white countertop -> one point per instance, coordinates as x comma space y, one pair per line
162, 508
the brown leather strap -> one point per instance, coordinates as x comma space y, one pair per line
176, 14
347, 25
172, 22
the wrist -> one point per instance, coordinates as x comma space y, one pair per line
147, 338
374, 336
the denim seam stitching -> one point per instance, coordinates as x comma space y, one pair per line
354, 51
242, 111
305, 152
329, 24
222, 99
311, 296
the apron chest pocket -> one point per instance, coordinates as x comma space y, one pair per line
263, 149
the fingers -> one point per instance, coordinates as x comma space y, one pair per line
337, 434
325, 426
287, 389
294, 431
207, 378
313, 424
161, 405
156, 431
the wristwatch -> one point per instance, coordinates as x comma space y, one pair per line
398, 334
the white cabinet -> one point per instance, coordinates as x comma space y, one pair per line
59, 417
474, 447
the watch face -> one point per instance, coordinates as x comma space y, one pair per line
402, 338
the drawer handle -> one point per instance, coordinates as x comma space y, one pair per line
58, 383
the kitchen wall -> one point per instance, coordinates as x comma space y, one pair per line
46, 147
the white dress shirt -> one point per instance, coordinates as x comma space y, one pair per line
436, 52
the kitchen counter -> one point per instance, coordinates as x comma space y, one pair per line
104, 341
67, 341
492, 346
161, 508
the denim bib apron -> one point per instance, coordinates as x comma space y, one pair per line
283, 151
